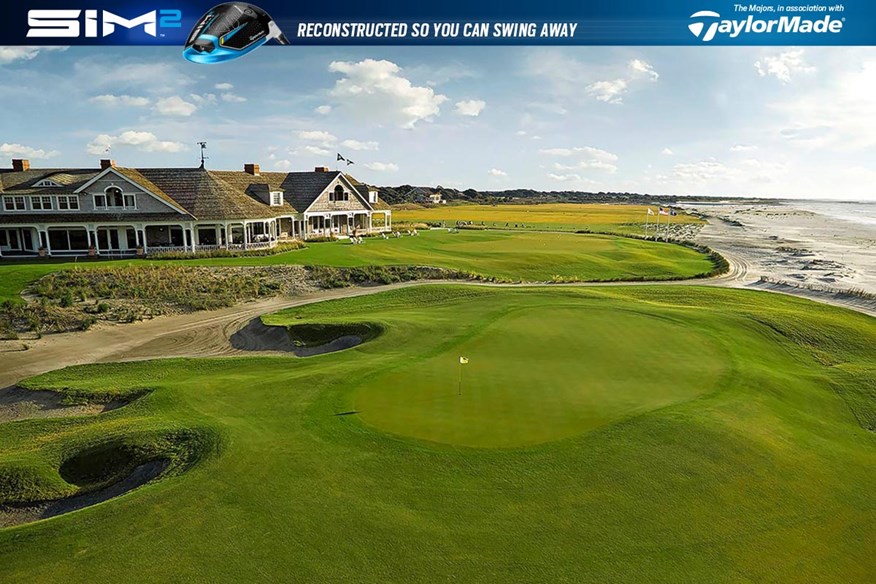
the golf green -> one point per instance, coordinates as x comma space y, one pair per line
606, 434
542, 373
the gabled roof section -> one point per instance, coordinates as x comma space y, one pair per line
21, 182
303, 188
215, 194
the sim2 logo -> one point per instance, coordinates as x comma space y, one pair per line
707, 24
79, 23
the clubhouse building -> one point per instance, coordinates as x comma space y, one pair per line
117, 211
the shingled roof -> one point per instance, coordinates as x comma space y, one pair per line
203, 194
21, 182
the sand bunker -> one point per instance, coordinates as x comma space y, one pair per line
16, 515
22, 404
303, 340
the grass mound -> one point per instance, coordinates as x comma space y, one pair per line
317, 334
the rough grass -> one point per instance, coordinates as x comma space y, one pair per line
742, 438
627, 219
493, 254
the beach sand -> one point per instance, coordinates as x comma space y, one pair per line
787, 243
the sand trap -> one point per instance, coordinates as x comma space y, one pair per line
257, 336
17, 515
22, 404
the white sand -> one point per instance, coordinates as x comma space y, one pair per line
785, 242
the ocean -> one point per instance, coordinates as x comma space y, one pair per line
862, 213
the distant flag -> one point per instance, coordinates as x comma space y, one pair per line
672, 212
650, 212
463, 360
662, 211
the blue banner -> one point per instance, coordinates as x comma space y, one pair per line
452, 22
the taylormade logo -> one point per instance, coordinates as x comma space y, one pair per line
706, 24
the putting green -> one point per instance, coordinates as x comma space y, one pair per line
541, 374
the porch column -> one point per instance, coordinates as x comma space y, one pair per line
143, 241
227, 235
48, 243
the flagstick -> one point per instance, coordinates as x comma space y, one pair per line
668, 221
459, 392
646, 224
657, 227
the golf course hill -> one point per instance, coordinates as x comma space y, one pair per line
650, 433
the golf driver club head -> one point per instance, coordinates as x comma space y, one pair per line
231, 30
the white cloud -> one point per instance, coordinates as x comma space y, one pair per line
311, 149
203, 99
323, 110
667, 152
568, 178
123, 100
497, 172
470, 107
283, 164
612, 91
381, 166
742, 148
357, 145
16, 150
837, 113
12, 54
377, 90
324, 138
143, 141
640, 66
607, 91
175, 106
783, 66
232, 97
588, 158
224, 86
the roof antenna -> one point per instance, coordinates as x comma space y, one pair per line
204, 157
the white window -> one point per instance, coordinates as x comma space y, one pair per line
339, 194
41, 203
68, 202
276, 198
46, 183
13, 204
114, 198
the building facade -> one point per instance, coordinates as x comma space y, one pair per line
118, 211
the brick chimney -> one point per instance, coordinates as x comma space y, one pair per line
321, 169
252, 169
20, 164
107, 163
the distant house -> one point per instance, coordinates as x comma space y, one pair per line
114, 210
426, 196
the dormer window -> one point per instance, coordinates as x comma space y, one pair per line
46, 183
114, 198
276, 198
372, 196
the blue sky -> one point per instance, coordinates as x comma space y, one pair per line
764, 121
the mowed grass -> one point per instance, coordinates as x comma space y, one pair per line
496, 254
717, 436
605, 218
542, 373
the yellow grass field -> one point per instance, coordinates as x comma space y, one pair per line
555, 216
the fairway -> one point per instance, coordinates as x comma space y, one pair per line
606, 218
543, 373
610, 434
505, 255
